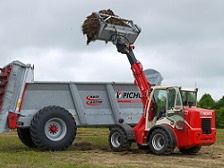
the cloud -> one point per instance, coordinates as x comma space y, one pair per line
183, 40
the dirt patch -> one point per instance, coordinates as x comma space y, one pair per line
95, 151
83, 146
207, 158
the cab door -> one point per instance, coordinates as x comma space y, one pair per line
174, 107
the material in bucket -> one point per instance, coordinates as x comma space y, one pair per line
107, 26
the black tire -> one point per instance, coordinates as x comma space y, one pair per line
118, 140
24, 136
160, 142
53, 129
190, 151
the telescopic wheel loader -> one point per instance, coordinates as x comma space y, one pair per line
166, 123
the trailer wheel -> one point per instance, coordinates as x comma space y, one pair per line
53, 128
160, 142
190, 151
118, 140
25, 137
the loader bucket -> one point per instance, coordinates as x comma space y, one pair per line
107, 26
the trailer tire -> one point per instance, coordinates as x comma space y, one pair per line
160, 142
191, 151
25, 137
118, 140
53, 129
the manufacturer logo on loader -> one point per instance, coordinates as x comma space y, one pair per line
205, 113
93, 100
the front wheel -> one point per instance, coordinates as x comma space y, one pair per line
160, 142
118, 140
53, 128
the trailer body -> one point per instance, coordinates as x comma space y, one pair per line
91, 104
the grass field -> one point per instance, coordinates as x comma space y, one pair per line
91, 149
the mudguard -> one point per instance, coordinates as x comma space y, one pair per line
128, 130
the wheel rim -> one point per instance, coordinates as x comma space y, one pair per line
158, 142
55, 129
116, 139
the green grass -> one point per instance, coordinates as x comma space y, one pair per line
220, 136
14, 154
89, 142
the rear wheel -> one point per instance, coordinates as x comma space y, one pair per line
160, 142
118, 140
190, 151
24, 136
53, 128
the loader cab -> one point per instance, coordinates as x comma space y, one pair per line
166, 107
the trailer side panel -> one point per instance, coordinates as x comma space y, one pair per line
92, 104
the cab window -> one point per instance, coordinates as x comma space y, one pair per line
189, 98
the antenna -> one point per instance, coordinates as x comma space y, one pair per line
195, 85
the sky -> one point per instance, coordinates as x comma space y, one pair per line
182, 39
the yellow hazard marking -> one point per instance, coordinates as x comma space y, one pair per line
18, 104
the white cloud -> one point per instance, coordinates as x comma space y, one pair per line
181, 39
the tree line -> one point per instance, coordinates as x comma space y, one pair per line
207, 102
